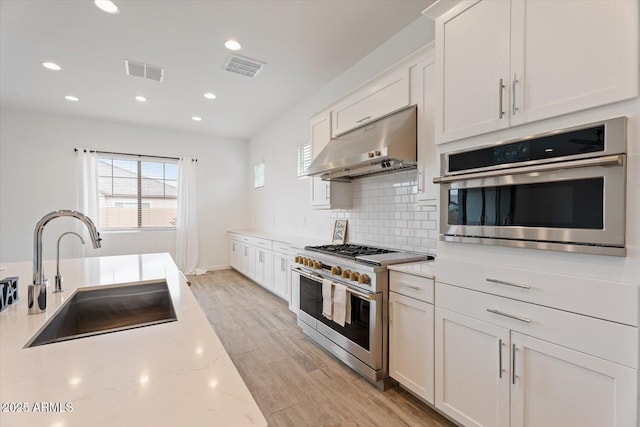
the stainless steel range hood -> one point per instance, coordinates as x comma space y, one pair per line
385, 145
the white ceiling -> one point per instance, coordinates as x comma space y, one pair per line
305, 44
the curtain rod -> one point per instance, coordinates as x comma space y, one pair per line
130, 154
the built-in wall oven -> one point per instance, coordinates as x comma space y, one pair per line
563, 190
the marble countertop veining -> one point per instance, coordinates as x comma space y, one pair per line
171, 374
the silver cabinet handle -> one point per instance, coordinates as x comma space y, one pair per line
502, 282
326, 192
510, 316
419, 181
500, 358
363, 119
500, 87
513, 367
514, 107
415, 288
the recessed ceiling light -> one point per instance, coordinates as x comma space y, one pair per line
72, 98
141, 98
210, 95
51, 66
107, 6
196, 119
232, 45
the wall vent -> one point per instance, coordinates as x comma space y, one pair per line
243, 65
146, 71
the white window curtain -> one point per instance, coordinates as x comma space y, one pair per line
187, 218
87, 191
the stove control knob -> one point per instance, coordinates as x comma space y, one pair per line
346, 273
336, 270
317, 265
354, 276
364, 279
305, 261
298, 259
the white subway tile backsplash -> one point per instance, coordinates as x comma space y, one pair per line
385, 213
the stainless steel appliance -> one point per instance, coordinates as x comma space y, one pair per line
385, 145
363, 343
563, 190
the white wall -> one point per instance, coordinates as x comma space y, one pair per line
283, 204
38, 174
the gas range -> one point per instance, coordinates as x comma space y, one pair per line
369, 254
354, 265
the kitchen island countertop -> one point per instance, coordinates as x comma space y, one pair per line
171, 374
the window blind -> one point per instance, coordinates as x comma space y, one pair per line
137, 192
258, 175
304, 160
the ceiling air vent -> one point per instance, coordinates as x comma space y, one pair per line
146, 71
243, 65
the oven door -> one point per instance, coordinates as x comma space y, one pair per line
362, 337
576, 206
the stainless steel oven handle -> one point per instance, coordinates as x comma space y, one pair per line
613, 160
317, 278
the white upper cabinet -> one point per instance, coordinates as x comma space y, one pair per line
506, 63
423, 87
325, 194
571, 55
472, 53
387, 94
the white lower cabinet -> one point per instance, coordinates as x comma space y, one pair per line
264, 261
557, 386
264, 268
472, 370
281, 275
411, 344
493, 372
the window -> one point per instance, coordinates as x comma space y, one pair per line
258, 175
137, 192
304, 160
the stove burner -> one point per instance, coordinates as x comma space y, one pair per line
349, 250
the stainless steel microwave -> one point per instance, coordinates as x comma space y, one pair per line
563, 190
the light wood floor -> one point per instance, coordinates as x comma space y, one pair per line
294, 382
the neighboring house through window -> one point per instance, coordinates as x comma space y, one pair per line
137, 192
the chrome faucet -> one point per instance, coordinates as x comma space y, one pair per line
58, 287
37, 292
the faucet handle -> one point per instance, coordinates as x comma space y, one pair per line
37, 297
58, 284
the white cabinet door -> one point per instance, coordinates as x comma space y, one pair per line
472, 370
571, 55
423, 92
235, 257
472, 53
383, 96
557, 386
281, 275
325, 194
264, 268
411, 344
248, 261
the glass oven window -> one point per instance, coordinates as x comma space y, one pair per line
575, 204
358, 330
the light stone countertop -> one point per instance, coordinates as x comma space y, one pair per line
422, 268
293, 241
171, 374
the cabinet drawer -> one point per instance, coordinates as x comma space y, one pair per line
412, 286
381, 97
281, 247
614, 301
235, 237
607, 340
259, 242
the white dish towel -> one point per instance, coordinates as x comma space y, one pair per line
327, 298
341, 304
